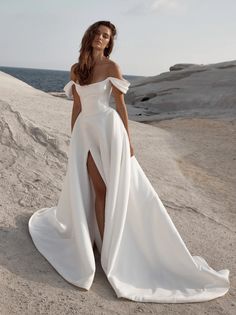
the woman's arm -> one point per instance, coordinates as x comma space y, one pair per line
120, 102
76, 103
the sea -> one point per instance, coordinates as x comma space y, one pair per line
45, 79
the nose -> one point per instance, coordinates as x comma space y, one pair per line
99, 36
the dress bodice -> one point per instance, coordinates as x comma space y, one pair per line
95, 97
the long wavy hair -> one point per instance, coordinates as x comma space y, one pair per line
84, 67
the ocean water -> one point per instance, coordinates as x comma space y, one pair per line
45, 79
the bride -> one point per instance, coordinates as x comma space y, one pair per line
97, 68
107, 199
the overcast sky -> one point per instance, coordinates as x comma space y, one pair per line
152, 34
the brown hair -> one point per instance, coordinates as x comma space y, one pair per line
84, 67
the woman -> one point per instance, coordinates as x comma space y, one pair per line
94, 66
106, 198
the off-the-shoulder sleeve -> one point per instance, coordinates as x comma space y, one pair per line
68, 89
121, 84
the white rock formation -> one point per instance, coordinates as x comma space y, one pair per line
195, 91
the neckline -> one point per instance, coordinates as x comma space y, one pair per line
98, 81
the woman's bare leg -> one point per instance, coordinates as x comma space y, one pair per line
100, 192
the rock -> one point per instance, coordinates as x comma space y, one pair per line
194, 91
181, 66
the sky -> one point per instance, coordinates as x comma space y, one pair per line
152, 35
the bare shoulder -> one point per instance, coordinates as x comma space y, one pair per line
72, 72
74, 65
115, 70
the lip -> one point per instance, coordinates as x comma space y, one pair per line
97, 41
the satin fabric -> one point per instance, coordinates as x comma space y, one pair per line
142, 253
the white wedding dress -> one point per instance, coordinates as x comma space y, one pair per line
142, 253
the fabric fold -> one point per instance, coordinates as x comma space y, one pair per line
121, 84
68, 89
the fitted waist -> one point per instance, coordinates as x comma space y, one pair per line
93, 108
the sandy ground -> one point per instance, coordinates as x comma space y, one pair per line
190, 162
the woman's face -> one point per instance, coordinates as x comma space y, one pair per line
102, 37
